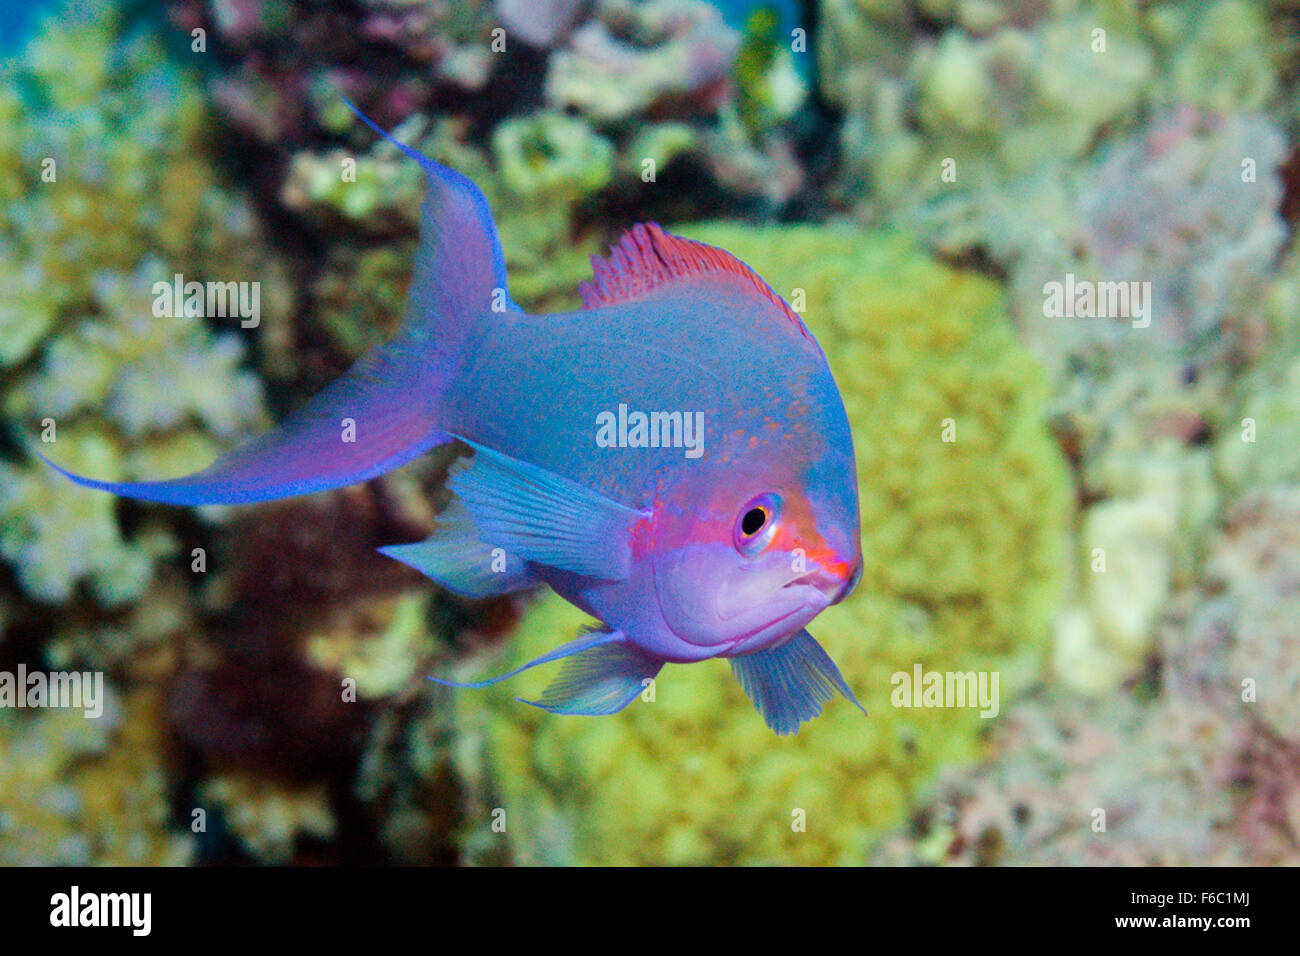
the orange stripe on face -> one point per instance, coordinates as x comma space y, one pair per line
798, 529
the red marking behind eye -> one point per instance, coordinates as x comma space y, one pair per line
643, 531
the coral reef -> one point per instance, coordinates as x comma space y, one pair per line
1093, 138
289, 57
1219, 55
771, 87
994, 100
378, 652
111, 191
540, 24
1257, 565
1190, 206
632, 88
1197, 764
268, 818
77, 791
1135, 547
962, 559
631, 57
539, 169
111, 197
407, 782
1258, 431
1098, 143
1157, 779
267, 667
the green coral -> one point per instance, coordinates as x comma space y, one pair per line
1137, 545
145, 374
658, 143
976, 109
107, 192
106, 168
538, 170
76, 791
354, 187
549, 153
1223, 55
57, 534
547, 164
1263, 446
375, 643
962, 552
1259, 432
362, 295
770, 88
269, 817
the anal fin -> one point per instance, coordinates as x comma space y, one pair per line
544, 517
578, 645
602, 674
601, 680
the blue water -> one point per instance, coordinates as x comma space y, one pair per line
736, 12
788, 12
17, 20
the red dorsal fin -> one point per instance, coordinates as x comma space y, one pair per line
647, 259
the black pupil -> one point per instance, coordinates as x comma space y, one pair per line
753, 521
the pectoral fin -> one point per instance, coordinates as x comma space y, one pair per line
789, 683
544, 517
458, 558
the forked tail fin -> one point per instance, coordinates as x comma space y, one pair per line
381, 414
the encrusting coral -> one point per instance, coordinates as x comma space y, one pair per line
1198, 762
961, 543
268, 817
77, 791
633, 56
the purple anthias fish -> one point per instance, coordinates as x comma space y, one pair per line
675, 459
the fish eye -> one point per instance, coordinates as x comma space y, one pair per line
756, 524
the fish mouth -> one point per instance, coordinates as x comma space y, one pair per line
808, 595
832, 583
798, 600
749, 636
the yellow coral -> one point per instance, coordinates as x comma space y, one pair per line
268, 816
962, 551
76, 791
56, 533
112, 192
